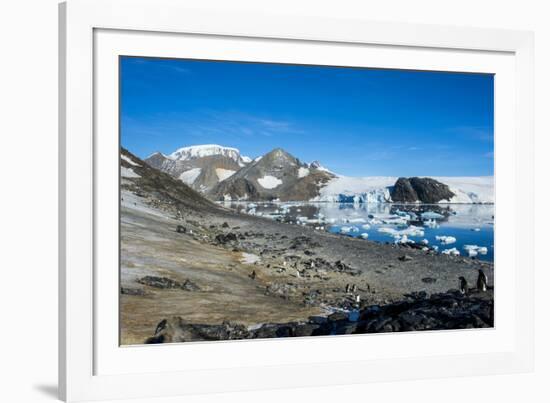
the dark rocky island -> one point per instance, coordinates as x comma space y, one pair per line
424, 190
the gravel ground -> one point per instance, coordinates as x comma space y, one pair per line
252, 270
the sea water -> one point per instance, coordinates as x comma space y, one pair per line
465, 229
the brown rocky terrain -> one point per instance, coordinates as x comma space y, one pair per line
183, 256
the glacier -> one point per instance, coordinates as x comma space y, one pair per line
376, 189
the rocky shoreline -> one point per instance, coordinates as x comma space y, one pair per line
445, 311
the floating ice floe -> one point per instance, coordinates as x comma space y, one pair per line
345, 229
431, 223
365, 226
452, 251
364, 235
445, 240
410, 231
425, 242
395, 220
428, 215
409, 215
476, 229
474, 250
403, 239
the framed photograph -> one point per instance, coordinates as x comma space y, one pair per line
257, 201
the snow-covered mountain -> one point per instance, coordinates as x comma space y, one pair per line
201, 167
276, 175
222, 173
209, 150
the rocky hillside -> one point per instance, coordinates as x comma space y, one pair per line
276, 175
140, 178
424, 190
201, 167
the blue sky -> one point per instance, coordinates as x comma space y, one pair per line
356, 122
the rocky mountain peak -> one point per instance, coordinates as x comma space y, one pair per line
315, 164
279, 156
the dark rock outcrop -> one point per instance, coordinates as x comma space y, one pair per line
403, 191
425, 190
418, 311
167, 283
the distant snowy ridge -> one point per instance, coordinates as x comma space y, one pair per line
470, 189
207, 150
376, 189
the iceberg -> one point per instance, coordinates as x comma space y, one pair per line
452, 251
431, 215
445, 240
474, 250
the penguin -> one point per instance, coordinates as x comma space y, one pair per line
357, 298
253, 274
354, 288
481, 281
162, 324
463, 285
347, 288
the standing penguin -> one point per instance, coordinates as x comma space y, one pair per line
481, 281
463, 285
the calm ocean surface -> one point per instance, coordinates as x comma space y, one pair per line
465, 229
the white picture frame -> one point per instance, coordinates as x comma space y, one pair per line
91, 364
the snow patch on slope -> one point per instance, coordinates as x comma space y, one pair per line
303, 172
188, 177
223, 174
269, 182
129, 161
128, 173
